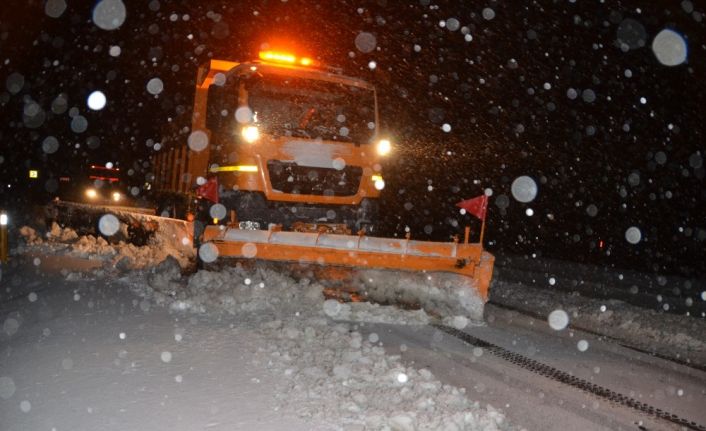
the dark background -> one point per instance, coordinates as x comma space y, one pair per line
600, 167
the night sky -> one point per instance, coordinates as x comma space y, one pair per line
475, 94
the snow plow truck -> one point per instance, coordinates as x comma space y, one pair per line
287, 153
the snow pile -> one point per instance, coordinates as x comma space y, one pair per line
332, 374
30, 235
440, 294
373, 313
60, 234
88, 245
121, 256
257, 290
664, 333
328, 371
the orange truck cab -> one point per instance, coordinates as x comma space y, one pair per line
288, 141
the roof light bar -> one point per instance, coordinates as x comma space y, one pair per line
286, 58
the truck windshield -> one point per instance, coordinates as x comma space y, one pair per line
310, 108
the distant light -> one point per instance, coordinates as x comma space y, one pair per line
33, 173
97, 100
3, 219
372, 65
529, 212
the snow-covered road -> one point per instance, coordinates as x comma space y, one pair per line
88, 355
82, 351
537, 402
89, 343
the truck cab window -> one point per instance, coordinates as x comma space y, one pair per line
222, 103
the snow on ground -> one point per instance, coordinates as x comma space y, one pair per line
121, 256
325, 370
672, 335
329, 372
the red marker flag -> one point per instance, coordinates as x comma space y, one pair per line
209, 190
476, 206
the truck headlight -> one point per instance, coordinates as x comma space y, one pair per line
384, 147
378, 182
91, 193
251, 133
117, 196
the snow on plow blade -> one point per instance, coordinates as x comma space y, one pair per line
138, 226
444, 278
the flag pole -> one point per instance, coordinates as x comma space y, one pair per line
482, 231
482, 226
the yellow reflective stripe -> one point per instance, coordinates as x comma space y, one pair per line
235, 168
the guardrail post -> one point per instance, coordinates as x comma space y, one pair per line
3, 237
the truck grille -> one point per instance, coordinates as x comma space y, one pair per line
288, 177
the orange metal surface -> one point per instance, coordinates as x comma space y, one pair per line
434, 257
177, 160
271, 148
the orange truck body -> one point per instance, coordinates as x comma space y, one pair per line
248, 167
281, 178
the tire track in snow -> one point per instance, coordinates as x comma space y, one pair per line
568, 379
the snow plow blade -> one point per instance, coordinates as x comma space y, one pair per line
443, 278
